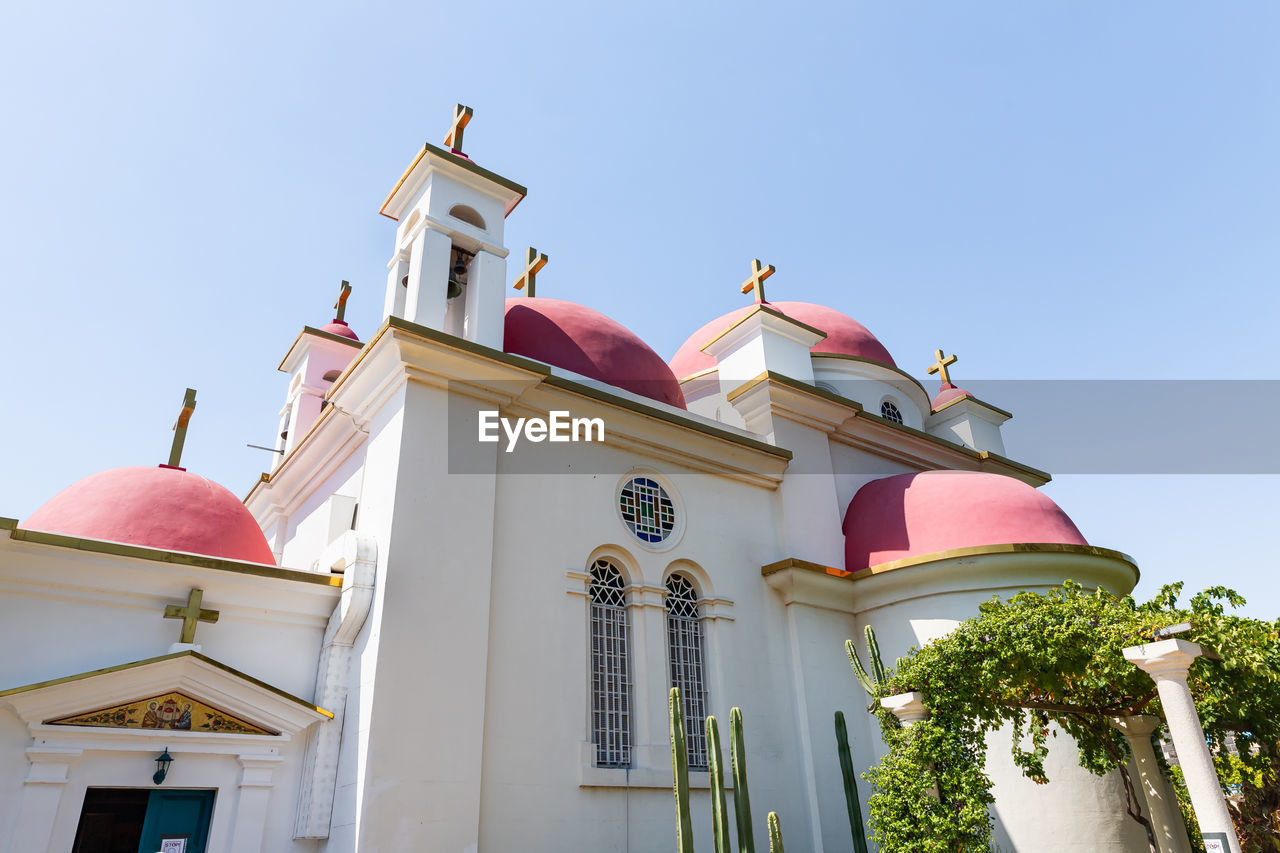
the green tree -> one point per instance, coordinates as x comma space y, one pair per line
1044, 663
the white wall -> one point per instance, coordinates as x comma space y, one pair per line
79, 611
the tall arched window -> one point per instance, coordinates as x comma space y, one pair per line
610, 667
684, 651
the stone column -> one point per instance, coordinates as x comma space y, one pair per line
42, 788
909, 709
1166, 820
251, 804
1167, 662
397, 270
647, 618
486, 299
425, 302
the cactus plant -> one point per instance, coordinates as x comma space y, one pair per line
719, 811
719, 814
850, 786
874, 682
680, 773
741, 797
775, 834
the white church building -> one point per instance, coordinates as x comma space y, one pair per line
426, 630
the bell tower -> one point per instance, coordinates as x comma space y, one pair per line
449, 267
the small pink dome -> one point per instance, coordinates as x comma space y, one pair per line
947, 394
337, 327
577, 338
908, 515
159, 507
845, 336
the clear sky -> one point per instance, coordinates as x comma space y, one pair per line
1053, 190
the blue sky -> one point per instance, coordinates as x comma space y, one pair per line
1057, 190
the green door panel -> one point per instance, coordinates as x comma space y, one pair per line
174, 814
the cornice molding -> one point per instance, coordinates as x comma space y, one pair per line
994, 568
156, 555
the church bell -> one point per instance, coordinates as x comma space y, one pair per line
456, 273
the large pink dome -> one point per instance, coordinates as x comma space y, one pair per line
908, 515
160, 507
577, 338
845, 336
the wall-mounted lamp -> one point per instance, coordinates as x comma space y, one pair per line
163, 760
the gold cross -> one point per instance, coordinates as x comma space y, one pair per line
461, 117
941, 366
341, 304
180, 428
534, 261
759, 273
190, 615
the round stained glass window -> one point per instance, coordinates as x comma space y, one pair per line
647, 509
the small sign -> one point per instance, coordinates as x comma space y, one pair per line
173, 845
1216, 842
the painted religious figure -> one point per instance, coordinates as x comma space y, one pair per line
175, 711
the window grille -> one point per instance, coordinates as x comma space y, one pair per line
610, 667
684, 649
647, 509
890, 412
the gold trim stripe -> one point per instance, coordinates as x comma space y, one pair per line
428, 148
122, 667
119, 549
761, 308
954, 553
968, 396
584, 390
319, 333
812, 390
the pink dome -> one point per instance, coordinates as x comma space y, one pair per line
337, 327
947, 394
577, 338
912, 514
845, 336
164, 508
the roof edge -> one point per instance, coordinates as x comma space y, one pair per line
182, 558
122, 667
951, 554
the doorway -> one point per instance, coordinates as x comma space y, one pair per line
139, 820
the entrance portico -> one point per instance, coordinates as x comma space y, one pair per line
220, 781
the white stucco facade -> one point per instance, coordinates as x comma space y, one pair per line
424, 647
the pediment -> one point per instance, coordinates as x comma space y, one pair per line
182, 695
172, 711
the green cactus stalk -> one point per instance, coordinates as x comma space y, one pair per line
850, 786
873, 652
858, 672
775, 834
719, 813
873, 682
741, 796
680, 774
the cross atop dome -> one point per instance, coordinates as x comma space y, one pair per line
180, 429
461, 118
343, 295
534, 261
759, 272
940, 366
